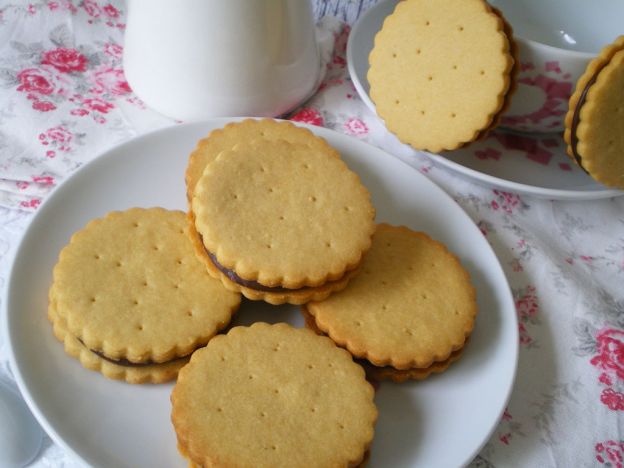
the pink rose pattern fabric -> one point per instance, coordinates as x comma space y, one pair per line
610, 453
556, 88
61, 72
546, 152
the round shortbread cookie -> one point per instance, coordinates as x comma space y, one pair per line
388, 372
282, 215
294, 296
411, 305
130, 286
148, 373
440, 72
595, 119
247, 130
273, 395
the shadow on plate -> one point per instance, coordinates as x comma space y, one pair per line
398, 430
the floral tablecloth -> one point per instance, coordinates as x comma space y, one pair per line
64, 99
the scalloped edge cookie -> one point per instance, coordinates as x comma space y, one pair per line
395, 120
115, 292
270, 376
334, 315
324, 228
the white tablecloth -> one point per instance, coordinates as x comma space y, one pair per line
64, 99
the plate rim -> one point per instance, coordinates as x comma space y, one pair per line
102, 156
468, 172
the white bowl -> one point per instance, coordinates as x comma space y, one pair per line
556, 40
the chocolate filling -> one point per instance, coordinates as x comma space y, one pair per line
247, 283
232, 276
576, 117
125, 362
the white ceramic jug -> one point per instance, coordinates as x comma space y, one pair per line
196, 59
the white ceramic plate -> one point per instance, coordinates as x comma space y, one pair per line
443, 421
534, 164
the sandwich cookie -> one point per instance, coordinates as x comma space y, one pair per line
442, 72
410, 310
281, 222
129, 291
595, 119
273, 395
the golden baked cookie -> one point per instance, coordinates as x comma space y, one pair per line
129, 287
595, 120
412, 304
273, 395
276, 217
246, 130
441, 71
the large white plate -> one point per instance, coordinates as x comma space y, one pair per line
532, 164
440, 422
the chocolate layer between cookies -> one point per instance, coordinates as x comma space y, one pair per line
593, 123
126, 363
576, 117
254, 284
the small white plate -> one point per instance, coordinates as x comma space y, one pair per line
442, 421
532, 164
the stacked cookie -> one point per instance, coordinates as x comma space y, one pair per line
130, 299
408, 314
276, 214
